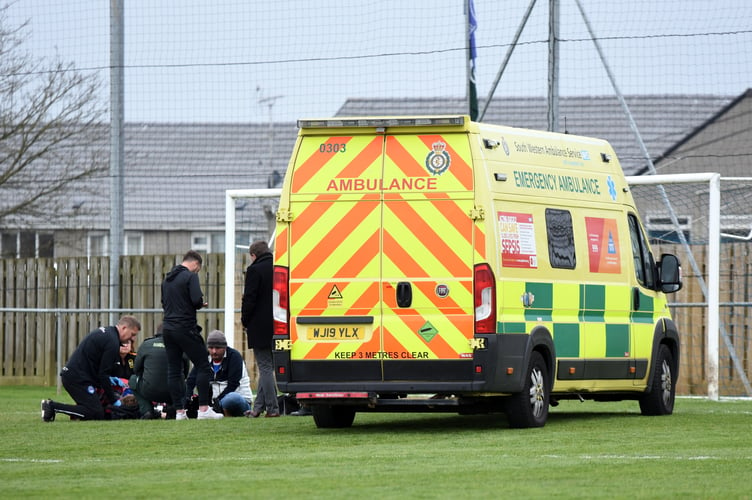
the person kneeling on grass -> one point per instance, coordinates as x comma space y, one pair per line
87, 372
231, 387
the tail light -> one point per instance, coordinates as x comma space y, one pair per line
281, 301
484, 293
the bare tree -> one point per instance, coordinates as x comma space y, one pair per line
52, 134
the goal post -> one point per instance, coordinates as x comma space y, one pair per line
711, 288
231, 195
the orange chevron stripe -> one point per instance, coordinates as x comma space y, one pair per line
367, 301
372, 345
322, 350
402, 259
360, 259
317, 304
280, 246
363, 160
403, 159
459, 168
453, 212
480, 241
306, 170
326, 245
424, 232
312, 212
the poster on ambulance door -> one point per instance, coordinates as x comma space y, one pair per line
603, 245
517, 233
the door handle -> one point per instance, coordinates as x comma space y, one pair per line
404, 294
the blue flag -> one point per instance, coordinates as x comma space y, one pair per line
472, 25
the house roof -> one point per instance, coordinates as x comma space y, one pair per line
662, 120
722, 143
176, 174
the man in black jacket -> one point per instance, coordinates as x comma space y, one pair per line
88, 370
257, 319
181, 298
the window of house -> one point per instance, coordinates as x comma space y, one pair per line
662, 230
208, 242
133, 244
9, 245
45, 245
26, 244
201, 242
218, 242
560, 234
97, 245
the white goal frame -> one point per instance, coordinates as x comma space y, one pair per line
711, 289
230, 196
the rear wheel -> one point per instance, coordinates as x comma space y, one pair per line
332, 416
529, 408
660, 399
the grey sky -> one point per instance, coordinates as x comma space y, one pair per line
189, 60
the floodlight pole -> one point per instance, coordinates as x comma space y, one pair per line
116, 151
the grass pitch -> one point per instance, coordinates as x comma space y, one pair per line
586, 450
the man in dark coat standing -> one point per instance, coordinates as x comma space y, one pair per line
257, 319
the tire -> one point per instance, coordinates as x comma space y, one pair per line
332, 417
529, 408
662, 391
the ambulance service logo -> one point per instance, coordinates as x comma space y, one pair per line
438, 160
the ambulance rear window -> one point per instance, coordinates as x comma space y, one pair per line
561, 252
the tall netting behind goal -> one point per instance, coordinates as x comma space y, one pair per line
712, 313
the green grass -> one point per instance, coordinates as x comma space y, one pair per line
585, 450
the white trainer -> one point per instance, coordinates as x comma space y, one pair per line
209, 414
181, 415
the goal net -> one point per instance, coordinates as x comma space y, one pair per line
705, 220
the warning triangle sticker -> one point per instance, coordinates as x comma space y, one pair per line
335, 293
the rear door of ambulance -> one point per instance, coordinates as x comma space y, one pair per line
381, 258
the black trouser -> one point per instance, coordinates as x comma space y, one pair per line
192, 344
146, 395
88, 405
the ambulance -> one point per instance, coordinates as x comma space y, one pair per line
435, 264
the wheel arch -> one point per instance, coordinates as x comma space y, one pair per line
542, 341
665, 333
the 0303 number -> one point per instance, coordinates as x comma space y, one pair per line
329, 147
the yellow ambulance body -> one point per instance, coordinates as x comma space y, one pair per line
438, 264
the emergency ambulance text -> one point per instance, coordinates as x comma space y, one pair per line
553, 182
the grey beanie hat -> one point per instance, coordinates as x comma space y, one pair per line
216, 339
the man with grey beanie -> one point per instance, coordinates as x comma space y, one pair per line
231, 385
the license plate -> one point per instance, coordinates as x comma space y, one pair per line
338, 333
